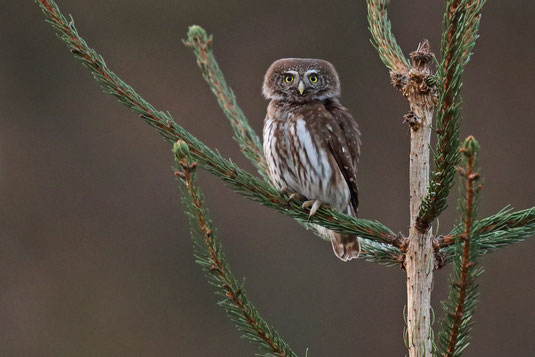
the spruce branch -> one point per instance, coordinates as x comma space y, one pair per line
460, 27
238, 179
383, 39
505, 220
384, 254
460, 305
497, 231
210, 256
250, 145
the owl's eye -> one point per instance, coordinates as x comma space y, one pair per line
313, 78
289, 78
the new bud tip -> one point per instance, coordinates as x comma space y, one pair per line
470, 146
197, 34
181, 150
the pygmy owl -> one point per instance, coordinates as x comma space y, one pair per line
311, 141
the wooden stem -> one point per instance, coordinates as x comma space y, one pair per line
419, 262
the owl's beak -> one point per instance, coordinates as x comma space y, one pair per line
301, 87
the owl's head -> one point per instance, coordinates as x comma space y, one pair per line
301, 80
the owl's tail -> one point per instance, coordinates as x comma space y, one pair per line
345, 246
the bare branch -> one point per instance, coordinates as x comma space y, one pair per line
419, 261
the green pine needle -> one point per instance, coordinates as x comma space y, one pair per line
500, 230
460, 27
382, 37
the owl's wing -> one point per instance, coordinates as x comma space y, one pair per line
341, 136
349, 128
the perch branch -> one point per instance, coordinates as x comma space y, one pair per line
238, 179
209, 254
250, 145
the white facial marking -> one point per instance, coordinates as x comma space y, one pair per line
294, 73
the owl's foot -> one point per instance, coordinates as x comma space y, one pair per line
292, 195
295, 196
315, 204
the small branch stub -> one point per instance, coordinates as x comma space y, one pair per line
413, 120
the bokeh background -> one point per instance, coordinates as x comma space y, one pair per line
95, 253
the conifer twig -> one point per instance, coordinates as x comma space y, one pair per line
502, 221
238, 179
505, 220
210, 255
383, 39
250, 145
499, 230
460, 26
384, 254
460, 305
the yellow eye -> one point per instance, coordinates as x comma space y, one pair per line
313, 78
289, 78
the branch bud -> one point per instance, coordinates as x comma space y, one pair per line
181, 150
470, 146
197, 37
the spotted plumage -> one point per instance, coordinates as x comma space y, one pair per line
311, 141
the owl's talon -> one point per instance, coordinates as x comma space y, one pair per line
307, 204
315, 204
294, 196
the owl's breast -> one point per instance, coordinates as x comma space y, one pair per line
299, 162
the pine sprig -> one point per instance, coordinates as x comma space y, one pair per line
460, 305
250, 145
497, 231
210, 256
384, 254
238, 179
460, 27
383, 39
506, 220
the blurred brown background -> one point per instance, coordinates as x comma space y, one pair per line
95, 254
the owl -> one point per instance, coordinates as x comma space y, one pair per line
311, 141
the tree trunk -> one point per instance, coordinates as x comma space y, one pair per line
419, 262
